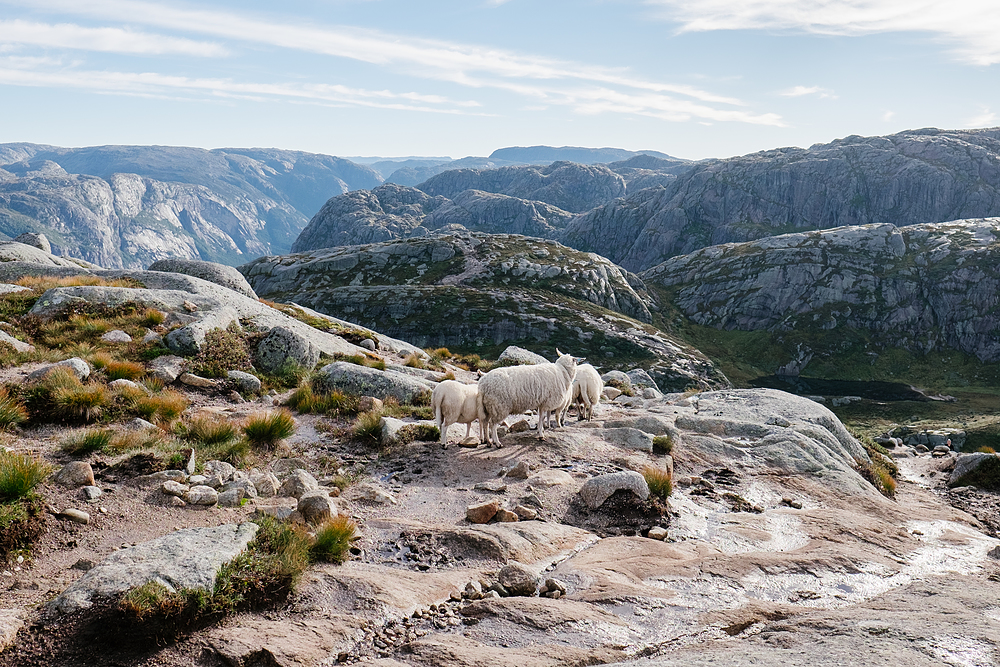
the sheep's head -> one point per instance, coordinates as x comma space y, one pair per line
568, 362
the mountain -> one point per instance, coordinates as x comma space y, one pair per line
127, 206
547, 154
478, 292
912, 177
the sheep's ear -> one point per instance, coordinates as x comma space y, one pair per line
479, 372
579, 360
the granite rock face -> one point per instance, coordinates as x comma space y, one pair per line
912, 177
128, 206
219, 274
922, 287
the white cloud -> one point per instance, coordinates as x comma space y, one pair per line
800, 91
590, 88
969, 26
118, 40
986, 118
888, 115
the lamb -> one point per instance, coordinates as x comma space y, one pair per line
455, 403
587, 388
505, 391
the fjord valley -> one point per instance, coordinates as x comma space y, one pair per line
227, 376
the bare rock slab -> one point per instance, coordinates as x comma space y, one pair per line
188, 558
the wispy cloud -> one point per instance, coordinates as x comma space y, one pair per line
985, 118
969, 26
117, 40
597, 89
801, 91
888, 115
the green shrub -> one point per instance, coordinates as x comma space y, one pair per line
663, 444
367, 428
223, 350
265, 431
881, 472
93, 440
333, 540
659, 481
20, 474
291, 374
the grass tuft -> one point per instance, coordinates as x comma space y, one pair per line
660, 482
88, 442
265, 431
413, 361
12, 412
333, 540
663, 444
367, 428
20, 474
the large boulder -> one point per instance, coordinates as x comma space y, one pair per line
220, 274
188, 558
518, 356
282, 346
363, 381
596, 490
35, 240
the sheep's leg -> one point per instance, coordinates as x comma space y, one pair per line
496, 436
541, 426
468, 430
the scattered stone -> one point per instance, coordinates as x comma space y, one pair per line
473, 591
941, 450
175, 475
517, 579
525, 513
298, 483
493, 486
79, 368
967, 464
610, 393
598, 489
194, 480
122, 383
519, 471
167, 368
994, 553
116, 336
35, 240
245, 383
265, 483
84, 564
368, 344
506, 516
546, 478
283, 467
172, 488
192, 380
74, 474
469, 443
650, 393
140, 424
372, 493
482, 512
11, 621
657, 533
152, 337
369, 403
519, 426
92, 492
243, 484
75, 515
231, 497
18, 345
794, 504
315, 507
218, 473
201, 495
921, 449
554, 586
641, 379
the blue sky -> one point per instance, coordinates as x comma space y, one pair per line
711, 78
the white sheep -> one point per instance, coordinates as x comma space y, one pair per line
455, 403
517, 389
587, 388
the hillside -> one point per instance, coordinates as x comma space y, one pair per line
912, 177
127, 206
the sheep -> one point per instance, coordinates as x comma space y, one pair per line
455, 403
587, 388
516, 389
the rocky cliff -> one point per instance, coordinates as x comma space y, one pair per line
481, 292
921, 287
912, 177
127, 206
393, 212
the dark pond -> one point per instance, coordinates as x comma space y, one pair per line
876, 391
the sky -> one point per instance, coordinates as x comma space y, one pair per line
694, 79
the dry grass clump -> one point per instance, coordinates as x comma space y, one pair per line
43, 283
659, 481
663, 444
161, 408
414, 361
208, 431
88, 442
333, 540
266, 430
367, 428
880, 471
335, 403
361, 360
12, 412
80, 402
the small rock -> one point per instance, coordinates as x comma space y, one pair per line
474, 590
369, 403
152, 337
74, 474
993, 553
172, 488
482, 512
11, 621
166, 368
201, 495
657, 533
368, 344
546, 478
316, 507
519, 471
79, 368
190, 307
122, 383
456, 596
235, 397
192, 380
517, 579
116, 336
218, 472
231, 497
921, 449
195, 480
140, 424
555, 585
525, 513
629, 438
493, 486
298, 483
74, 515
163, 475
519, 426
373, 493
177, 502
92, 492
83, 564
506, 516
266, 483
610, 393
245, 383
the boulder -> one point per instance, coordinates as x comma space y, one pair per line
315, 507
517, 579
18, 345
363, 381
35, 240
968, 464
244, 484
282, 346
231, 498
167, 368
188, 558
518, 356
265, 483
201, 495
189, 339
617, 377
640, 378
174, 488
220, 274
218, 472
78, 366
245, 383
598, 489
297, 484
11, 621
192, 380
482, 512
116, 336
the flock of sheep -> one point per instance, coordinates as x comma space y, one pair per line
549, 389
